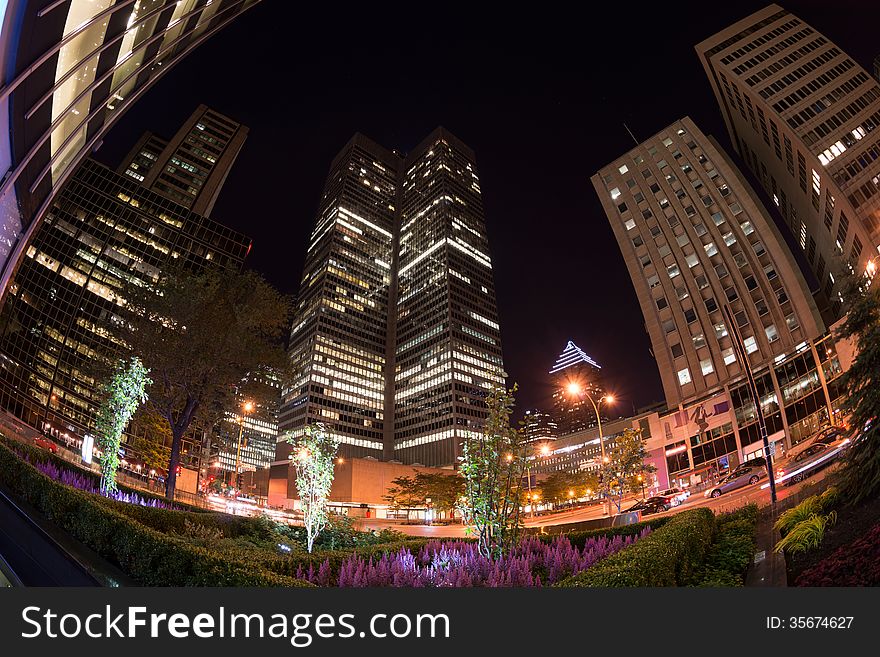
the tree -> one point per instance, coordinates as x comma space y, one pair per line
314, 454
493, 463
444, 490
123, 392
201, 334
558, 485
150, 437
626, 461
860, 475
405, 493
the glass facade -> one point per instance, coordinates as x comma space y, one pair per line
574, 411
102, 229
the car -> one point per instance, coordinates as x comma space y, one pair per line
810, 459
676, 494
46, 444
651, 505
744, 475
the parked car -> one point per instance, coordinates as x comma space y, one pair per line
809, 460
678, 495
651, 505
45, 443
744, 475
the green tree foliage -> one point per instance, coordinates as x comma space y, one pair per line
558, 485
493, 463
123, 393
314, 454
626, 461
861, 469
444, 491
201, 334
150, 437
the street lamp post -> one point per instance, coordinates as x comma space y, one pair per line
247, 407
576, 389
642, 482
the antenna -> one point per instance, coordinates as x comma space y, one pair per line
631, 134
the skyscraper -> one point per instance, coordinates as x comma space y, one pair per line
69, 72
538, 425
802, 114
574, 375
695, 239
396, 337
103, 228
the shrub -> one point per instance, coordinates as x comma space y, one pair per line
732, 550
578, 538
149, 556
803, 511
668, 556
855, 564
807, 534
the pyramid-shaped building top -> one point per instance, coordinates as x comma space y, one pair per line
572, 355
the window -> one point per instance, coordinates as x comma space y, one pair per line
664, 203
664, 250
662, 303
637, 241
772, 335
750, 344
684, 376
621, 207
615, 193
653, 281
761, 307
781, 296
647, 214
681, 293
668, 326
729, 239
741, 318
721, 271
740, 260
736, 208
702, 281
655, 188
673, 271
770, 271
706, 366
645, 260
630, 224
791, 322
728, 356
639, 197
690, 315
699, 340
711, 249
700, 229
759, 248
751, 283
720, 330
711, 306
747, 227
682, 239
623, 169
718, 218
707, 200
630, 183
730, 293
677, 351
692, 260
655, 230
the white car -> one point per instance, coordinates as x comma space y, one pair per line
677, 494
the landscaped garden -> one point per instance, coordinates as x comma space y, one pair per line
185, 546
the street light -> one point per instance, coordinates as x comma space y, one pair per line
575, 388
247, 407
642, 482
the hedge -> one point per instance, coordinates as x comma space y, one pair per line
579, 538
732, 550
668, 556
149, 556
37, 454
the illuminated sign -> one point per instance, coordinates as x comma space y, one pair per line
88, 445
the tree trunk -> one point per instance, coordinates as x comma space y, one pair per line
171, 479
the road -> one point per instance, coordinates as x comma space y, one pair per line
727, 502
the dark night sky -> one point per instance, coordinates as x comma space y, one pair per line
540, 96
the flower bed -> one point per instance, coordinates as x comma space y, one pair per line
460, 564
855, 564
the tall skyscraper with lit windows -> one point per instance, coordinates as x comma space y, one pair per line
396, 340
803, 115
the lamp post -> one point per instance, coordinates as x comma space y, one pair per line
575, 388
642, 482
247, 407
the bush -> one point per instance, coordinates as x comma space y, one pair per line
803, 511
855, 564
152, 558
668, 556
732, 550
579, 538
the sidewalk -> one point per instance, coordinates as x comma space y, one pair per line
767, 567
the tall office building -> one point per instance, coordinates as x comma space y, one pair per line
802, 114
695, 239
69, 71
104, 227
538, 425
338, 339
396, 338
572, 410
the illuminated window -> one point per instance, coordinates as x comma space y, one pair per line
728, 356
684, 376
699, 340
750, 344
706, 366
772, 334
